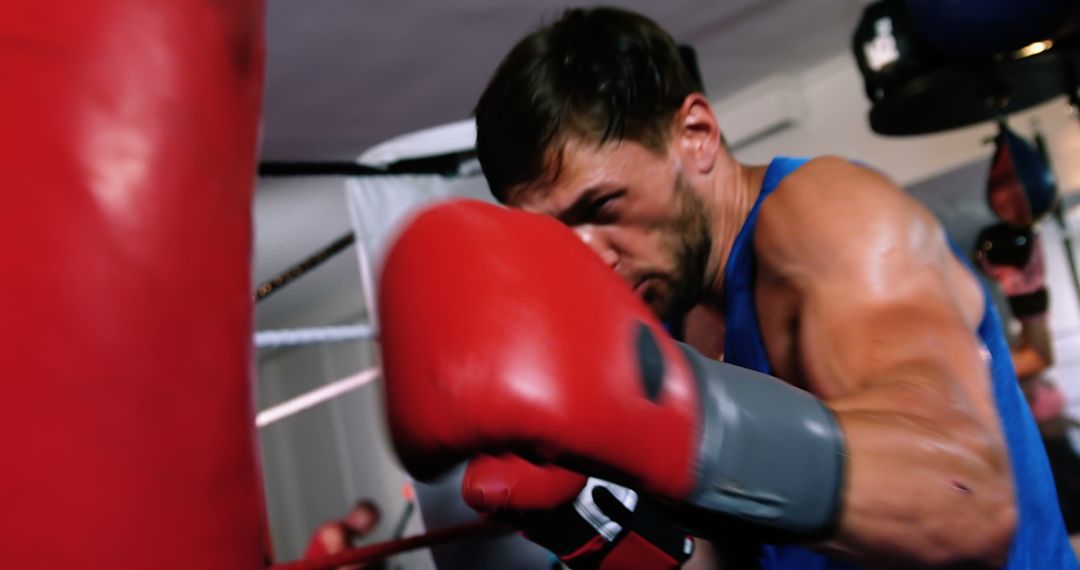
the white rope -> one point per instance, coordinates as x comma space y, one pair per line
315, 397
316, 335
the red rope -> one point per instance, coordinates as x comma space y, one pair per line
382, 550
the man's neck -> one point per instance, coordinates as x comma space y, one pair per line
735, 191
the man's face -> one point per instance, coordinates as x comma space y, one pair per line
634, 209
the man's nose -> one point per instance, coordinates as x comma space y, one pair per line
598, 244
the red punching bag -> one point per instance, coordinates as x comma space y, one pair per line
127, 154
1020, 188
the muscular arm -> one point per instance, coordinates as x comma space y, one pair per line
1034, 353
884, 332
1028, 361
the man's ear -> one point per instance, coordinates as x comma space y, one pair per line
696, 135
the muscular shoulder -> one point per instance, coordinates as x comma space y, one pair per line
833, 215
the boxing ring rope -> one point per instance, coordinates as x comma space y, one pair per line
445, 164
322, 335
360, 331
297, 271
442, 165
281, 338
315, 397
383, 550
329, 334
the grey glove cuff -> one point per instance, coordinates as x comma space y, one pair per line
770, 454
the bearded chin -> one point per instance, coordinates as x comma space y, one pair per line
689, 283
691, 253
690, 249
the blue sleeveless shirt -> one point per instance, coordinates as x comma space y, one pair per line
1040, 541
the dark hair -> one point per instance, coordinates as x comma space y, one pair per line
601, 74
368, 505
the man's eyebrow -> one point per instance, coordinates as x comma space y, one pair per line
573, 213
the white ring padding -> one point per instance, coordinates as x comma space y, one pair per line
367, 286
315, 397
459, 136
317, 335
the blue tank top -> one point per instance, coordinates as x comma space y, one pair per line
1040, 541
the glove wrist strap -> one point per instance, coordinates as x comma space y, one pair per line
770, 454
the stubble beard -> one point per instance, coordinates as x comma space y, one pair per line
690, 247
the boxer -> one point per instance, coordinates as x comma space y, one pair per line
866, 413
336, 536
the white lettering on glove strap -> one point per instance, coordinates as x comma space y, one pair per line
588, 509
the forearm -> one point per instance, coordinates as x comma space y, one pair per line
918, 481
1028, 361
924, 488
1036, 339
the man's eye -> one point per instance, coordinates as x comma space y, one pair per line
601, 210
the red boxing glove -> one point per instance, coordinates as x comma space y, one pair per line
503, 332
527, 344
588, 523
